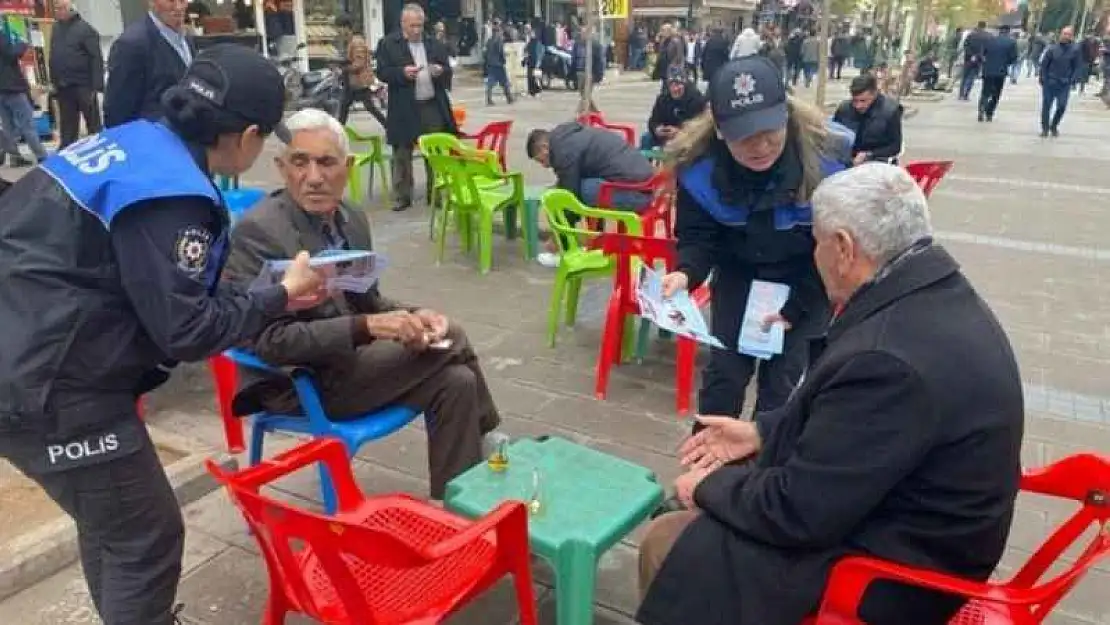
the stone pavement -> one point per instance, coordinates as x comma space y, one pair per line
1022, 214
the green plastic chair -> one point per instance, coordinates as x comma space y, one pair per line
576, 261
448, 145
366, 150
470, 194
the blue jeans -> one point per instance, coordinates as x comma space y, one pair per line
809, 70
967, 81
1053, 93
619, 200
496, 75
18, 119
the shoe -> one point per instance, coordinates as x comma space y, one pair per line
401, 206
1044, 133
980, 115
1055, 133
548, 259
990, 118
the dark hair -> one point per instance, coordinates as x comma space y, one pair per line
862, 84
981, 24
199, 120
535, 138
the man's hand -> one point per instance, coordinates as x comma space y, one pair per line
674, 282
436, 69
411, 71
861, 158
398, 325
305, 287
772, 319
686, 484
435, 324
723, 440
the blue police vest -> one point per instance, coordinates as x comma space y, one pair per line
108, 172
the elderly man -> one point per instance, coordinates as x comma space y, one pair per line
149, 57
887, 448
369, 352
76, 70
418, 71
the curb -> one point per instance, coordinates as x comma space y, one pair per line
36, 555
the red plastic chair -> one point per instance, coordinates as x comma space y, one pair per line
662, 183
622, 303
597, 121
494, 137
928, 173
1083, 478
386, 559
225, 377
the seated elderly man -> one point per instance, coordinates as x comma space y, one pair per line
369, 351
901, 442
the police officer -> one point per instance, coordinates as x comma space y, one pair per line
110, 252
746, 172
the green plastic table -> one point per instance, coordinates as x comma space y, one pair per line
588, 501
531, 220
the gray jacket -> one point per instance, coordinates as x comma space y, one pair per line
580, 152
811, 50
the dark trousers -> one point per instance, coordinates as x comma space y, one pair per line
129, 532
692, 71
73, 104
1053, 94
836, 66
498, 75
431, 120
364, 96
726, 377
533, 84
989, 94
967, 80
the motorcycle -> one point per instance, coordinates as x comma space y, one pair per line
556, 63
322, 89
290, 73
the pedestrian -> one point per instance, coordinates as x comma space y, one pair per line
1060, 67
76, 72
744, 169
17, 115
841, 47
116, 245
149, 57
973, 46
811, 57
597, 64
417, 70
715, 53
494, 64
1000, 53
1022, 41
359, 84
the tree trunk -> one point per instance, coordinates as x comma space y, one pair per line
905, 78
823, 55
585, 105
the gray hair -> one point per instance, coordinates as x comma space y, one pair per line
315, 119
880, 205
412, 8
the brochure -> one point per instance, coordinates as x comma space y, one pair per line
678, 313
764, 299
354, 271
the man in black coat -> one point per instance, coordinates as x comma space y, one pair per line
875, 119
1060, 69
902, 442
677, 104
974, 45
76, 71
999, 54
417, 69
715, 53
149, 57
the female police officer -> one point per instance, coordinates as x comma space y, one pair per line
109, 256
746, 171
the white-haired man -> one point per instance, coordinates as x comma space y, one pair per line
368, 350
902, 441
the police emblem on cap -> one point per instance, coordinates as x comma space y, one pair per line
744, 86
191, 249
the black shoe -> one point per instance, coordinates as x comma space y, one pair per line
980, 115
990, 118
401, 206
1055, 133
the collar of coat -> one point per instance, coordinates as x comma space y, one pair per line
912, 271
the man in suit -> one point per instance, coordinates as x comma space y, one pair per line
999, 54
974, 45
76, 71
149, 57
418, 71
367, 350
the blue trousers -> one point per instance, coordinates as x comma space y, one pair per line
620, 200
967, 81
1053, 93
18, 119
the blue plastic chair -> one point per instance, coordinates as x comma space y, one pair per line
314, 422
239, 201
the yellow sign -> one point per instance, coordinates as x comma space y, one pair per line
614, 9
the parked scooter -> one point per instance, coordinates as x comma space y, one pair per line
290, 73
323, 88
